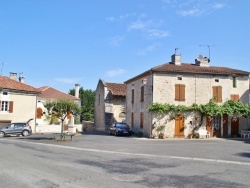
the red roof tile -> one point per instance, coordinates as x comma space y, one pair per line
8, 83
51, 93
116, 89
192, 68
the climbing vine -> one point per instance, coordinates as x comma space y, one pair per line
230, 107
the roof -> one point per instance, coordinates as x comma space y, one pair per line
52, 93
116, 88
192, 69
10, 84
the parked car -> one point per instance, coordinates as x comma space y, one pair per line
16, 128
120, 128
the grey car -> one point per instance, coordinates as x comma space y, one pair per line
16, 128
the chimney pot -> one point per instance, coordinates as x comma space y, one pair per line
77, 90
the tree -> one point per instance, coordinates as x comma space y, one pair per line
61, 108
87, 103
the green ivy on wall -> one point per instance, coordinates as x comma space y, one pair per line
232, 108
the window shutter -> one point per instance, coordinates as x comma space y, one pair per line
133, 95
11, 107
0, 106
182, 92
141, 120
142, 93
39, 113
219, 94
215, 97
132, 119
234, 97
177, 92
69, 114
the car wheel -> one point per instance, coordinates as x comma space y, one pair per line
109, 132
1, 134
25, 133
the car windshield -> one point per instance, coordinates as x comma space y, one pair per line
121, 125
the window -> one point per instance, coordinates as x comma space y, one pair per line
217, 93
39, 113
7, 106
234, 82
99, 99
141, 119
180, 92
132, 119
133, 96
216, 122
216, 80
142, 93
179, 78
234, 97
5, 93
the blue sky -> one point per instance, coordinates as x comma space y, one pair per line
59, 43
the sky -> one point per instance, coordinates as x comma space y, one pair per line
60, 43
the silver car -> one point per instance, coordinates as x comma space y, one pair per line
16, 128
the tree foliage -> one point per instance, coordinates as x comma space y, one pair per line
61, 108
87, 103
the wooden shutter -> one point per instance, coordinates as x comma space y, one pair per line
217, 93
39, 112
69, 114
132, 119
141, 120
11, 106
234, 97
182, 92
142, 93
133, 96
177, 92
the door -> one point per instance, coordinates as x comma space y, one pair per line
225, 126
209, 126
9, 129
235, 127
179, 126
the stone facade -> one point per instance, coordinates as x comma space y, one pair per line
160, 88
109, 105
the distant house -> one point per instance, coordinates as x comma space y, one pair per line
185, 84
48, 93
17, 100
109, 104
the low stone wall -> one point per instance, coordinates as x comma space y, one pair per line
88, 126
55, 128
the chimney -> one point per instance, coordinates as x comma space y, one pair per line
13, 75
202, 61
21, 79
77, 90
176, 59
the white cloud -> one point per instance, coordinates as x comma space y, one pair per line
121, 17
116, 41
111, 19
148, 49
113, 73
218, 6
139, 25
68, 80
154, 33
192, 12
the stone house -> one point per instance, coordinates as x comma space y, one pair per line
181, 83
17, 100
109, 104
48, 93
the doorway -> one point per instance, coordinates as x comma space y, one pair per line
179, 126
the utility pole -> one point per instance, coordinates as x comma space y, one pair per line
208, 46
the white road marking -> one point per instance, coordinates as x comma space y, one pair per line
135, 154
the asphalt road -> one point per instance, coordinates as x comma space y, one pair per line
100, 160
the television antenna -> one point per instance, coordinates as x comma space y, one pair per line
2, 69
208, 46
175, 50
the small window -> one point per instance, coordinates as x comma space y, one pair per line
179, 78
234, 82
4, 106
141, 120
142, 94
216, 80
5, 93
133, 96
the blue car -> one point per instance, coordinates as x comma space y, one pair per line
120, 128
